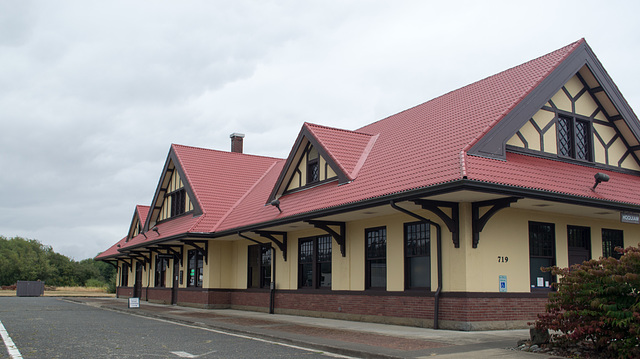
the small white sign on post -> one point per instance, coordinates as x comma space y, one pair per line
134, 302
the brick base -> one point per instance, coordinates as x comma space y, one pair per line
459, 311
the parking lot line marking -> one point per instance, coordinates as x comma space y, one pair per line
325, 353
14, 353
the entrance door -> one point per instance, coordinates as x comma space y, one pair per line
174, 288
579, 240
137, 286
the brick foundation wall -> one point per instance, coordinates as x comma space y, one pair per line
461, 311
159, 295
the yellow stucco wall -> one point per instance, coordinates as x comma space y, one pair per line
506, 235
465, 269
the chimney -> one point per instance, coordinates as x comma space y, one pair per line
236, 142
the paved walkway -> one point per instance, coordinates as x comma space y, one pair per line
356, 339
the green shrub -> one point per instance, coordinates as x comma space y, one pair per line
94, 283
598, 302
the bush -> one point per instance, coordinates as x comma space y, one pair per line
95, 283
598, 302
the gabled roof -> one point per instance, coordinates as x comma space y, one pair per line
139, 216
215, 180
454, 140
426, 146
345, 151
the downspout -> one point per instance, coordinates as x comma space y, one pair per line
272, 285
148, 279
436, 298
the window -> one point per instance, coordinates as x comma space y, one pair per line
194, 268
579, 243
314, 262
259, 270
611, 238
161, 270
177, 202
376, 257
124, 275
542, 253
417, 255
313, 165
573, 138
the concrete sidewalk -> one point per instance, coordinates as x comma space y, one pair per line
356, 339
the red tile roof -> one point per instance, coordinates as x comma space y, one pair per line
143, 212
348, 149
418, 148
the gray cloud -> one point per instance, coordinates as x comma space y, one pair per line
93, 93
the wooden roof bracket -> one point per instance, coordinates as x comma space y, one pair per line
204, 251
281, 244
137, 255
338, 236
169, 249
130, 263
478, 222
251, 239
452, 222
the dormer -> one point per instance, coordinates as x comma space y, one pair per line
173, 197
322, 155
137, 222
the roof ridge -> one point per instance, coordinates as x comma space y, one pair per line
223, 152
337, 129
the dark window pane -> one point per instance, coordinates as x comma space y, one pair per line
579, 237
377, 243
582, 140
541, 253
565, 137
612, 238
536, 273
378, 273
315, 262
325, 274
420, 272
306, 275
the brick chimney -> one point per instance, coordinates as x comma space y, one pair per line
236, 142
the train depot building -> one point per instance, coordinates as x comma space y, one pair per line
439, 216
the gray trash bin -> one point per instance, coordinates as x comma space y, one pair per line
25, 288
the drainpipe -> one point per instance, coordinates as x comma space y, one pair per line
148, 280
272, 285
436, 298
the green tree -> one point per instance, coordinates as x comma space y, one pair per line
28, 259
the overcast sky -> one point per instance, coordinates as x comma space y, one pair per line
92, 94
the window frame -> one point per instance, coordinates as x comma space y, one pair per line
369, 260
198, 270
317, 259
160, 279
408, 256
124, 274
264, 275
608, 247
572, 123
552, 258
178, 202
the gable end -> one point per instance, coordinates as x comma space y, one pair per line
493, 143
